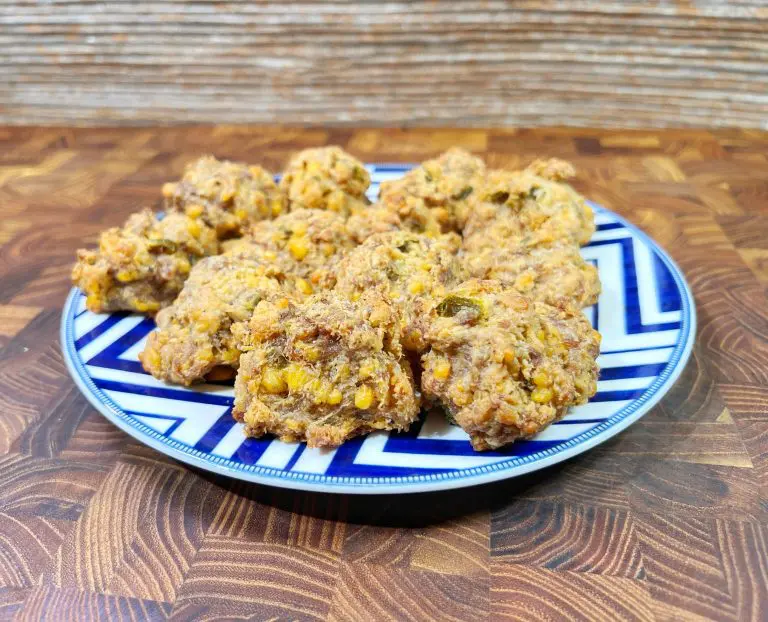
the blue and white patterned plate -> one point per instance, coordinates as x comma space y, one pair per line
645, 313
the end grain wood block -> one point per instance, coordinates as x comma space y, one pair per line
523, 593
385, 593
557, 536
230, 578
667, 520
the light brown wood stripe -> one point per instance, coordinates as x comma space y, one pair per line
11, 601
52, 284
54, 604
744, 547
669, 543
96, 440
27, 545
268, 581
50, 488
385, 593
15, 317
380, 545
457, 546
16, 417
250, 513
167, 539
582, 539
745, 401
104, 532
695, 398
525, 593
700, 443
688, 489
755, 436
597, 479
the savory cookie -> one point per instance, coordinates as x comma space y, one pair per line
323, 371
410, 269
504, 366
527, 209
556, 274
194, 334
326, 178
227, 196
143, 265
436, 196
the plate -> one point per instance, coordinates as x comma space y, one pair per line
645, 313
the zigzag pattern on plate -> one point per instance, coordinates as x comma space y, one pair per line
639, 314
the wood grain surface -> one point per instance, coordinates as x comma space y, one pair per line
667, 521
617, 63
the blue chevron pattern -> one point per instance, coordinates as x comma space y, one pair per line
645, 314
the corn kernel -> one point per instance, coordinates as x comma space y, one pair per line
442, 369
304, 287
584, 385
282, 303
328, 249
93, 301
318, 389
126, 275
540, 379
334, 397
241, 214
146, 307
363, 397
524, 282
336, 201
300, 228
194, 211
298, 247
272, 381
151, 358
342, 373
269, 255
276, 206
310, 353
512, 362
542, 395
230, 356
379, 315
462, 399
193, 228
207, 324
367, 369
416, 287
296, 376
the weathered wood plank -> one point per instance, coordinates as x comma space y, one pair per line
535, 63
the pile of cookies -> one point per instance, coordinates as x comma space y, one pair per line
460, 288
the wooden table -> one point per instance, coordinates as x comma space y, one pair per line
667, 521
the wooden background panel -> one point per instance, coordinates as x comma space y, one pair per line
535, 62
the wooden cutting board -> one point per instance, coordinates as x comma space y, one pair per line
667, 521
